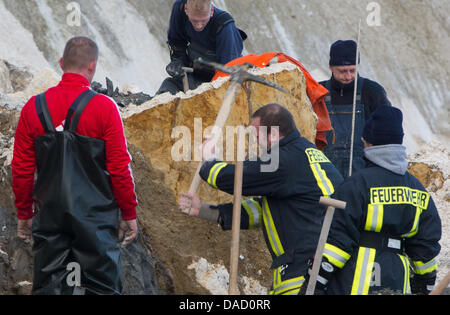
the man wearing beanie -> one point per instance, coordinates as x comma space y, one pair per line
339, 103
388, 235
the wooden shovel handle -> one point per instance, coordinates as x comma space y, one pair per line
236, 227
441, 286
332, 204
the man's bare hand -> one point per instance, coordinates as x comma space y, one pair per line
189, 204
24, 230
127, 231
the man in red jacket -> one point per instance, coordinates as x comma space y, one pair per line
54, 242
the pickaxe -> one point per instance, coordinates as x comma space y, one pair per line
239, 75
332, 204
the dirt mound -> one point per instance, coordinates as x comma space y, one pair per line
177, 240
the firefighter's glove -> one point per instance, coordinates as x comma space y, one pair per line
175, 69
325, 273
423, 284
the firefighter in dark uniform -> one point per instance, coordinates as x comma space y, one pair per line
388, 235
199, 30
339, 103
287, 209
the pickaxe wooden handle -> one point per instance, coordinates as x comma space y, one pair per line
235, 229
441, 286
332, 205
221, 119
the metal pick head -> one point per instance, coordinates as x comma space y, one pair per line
238, 73
251, 77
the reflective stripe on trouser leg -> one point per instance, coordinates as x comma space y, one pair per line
406, 284
286, 287
363, 271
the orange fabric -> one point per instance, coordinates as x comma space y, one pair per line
314, 90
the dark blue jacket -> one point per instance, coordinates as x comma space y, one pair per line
288, 208
398, 212
227, 44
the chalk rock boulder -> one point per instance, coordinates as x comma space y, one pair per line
158, 126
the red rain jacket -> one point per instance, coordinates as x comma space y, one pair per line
101, 119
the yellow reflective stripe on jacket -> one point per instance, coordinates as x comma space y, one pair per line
335, 255
399, 195
215, 170
415, 227
254, 212
374, 220
406, 283
363, 271
286, 287
272, 233
322, 179
316, 157
422, 268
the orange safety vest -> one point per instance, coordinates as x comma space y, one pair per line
314, 90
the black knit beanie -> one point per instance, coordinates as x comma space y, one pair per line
384, 126
343, 53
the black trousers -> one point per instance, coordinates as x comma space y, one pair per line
69, 248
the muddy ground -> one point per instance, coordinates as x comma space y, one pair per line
177, 240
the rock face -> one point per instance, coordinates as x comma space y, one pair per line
151, 129
403, 35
